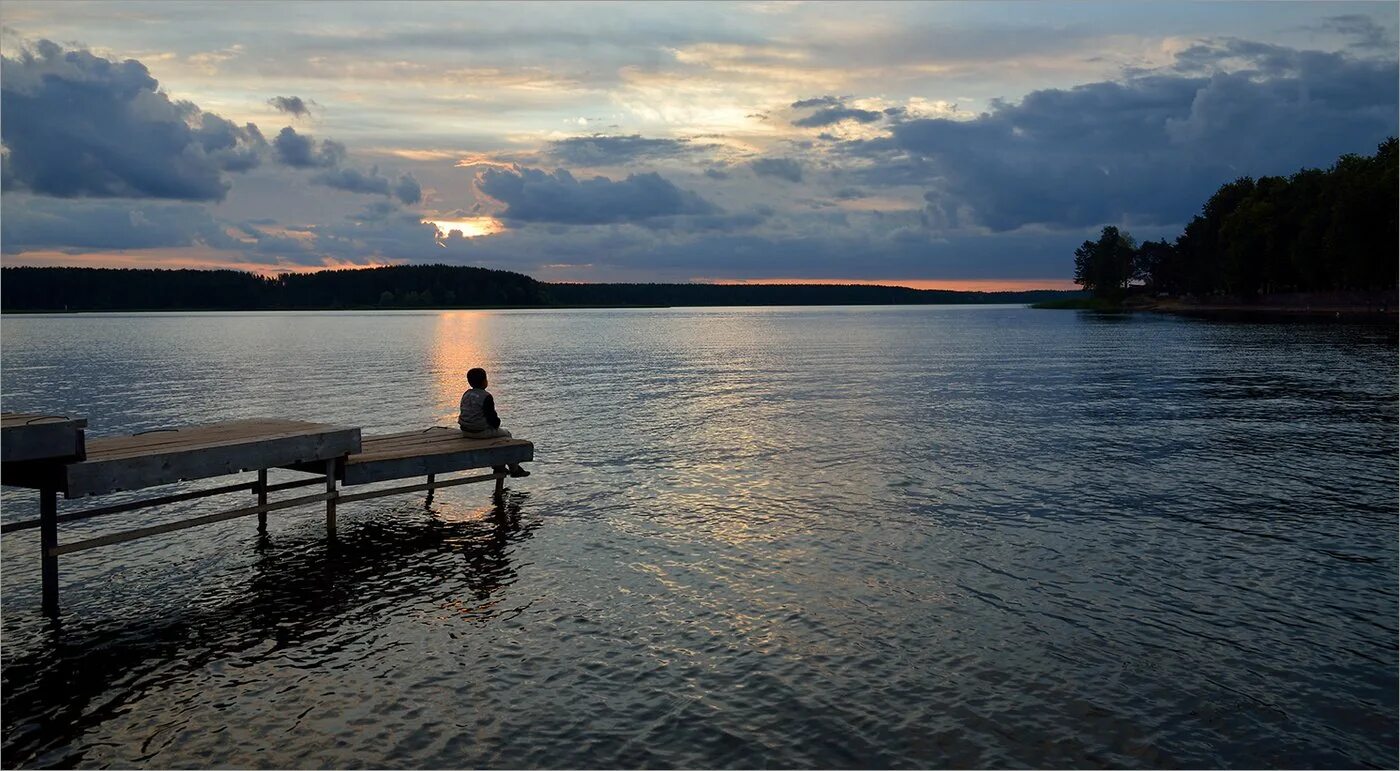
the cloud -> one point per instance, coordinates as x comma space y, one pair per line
233, 147
36, 222
714, 173
292, 105
354, 181
407, 190
1367, 34
534, 195
79, 125
782, 168
300, 150
600, 150
1148, 149
819, 101
830, 115
834, 110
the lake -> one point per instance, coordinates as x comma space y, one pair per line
957, 536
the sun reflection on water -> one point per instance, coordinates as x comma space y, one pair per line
457, 347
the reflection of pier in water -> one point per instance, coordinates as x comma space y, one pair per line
49, 693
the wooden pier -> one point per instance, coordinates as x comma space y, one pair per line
52, 455
26, 437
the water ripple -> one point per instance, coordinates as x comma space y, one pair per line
879, 537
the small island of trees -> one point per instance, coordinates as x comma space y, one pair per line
1315, 231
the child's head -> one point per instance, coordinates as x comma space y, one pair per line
476, 377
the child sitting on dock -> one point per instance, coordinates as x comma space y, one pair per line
478, 419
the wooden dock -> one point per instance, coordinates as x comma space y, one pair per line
26, 437
436, 450
162, 456
52, 455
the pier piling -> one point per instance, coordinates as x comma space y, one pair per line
262, 499
48, 542
330, 498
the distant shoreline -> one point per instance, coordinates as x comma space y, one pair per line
425, 287
47, 312
44, 312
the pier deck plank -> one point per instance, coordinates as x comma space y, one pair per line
437, 450
194, 452
30, 437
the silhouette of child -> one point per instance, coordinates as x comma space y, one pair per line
478, 419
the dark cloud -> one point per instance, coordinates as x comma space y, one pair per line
354, 181
233, 147
300, 150
79, 125
782, 168
534, 195
819, 101
35, 222
714, 173
830, 115
1366, 33
292, 105
849, 193
407, 190
1149, 149
375, 212
600, 150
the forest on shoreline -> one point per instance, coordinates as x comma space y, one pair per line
1315, 231
33, 290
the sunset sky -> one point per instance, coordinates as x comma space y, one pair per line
960, 145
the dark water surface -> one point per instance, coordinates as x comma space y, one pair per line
881, 537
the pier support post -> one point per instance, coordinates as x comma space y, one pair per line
48, 541
500, 483
262, 499
330, 502
431, 479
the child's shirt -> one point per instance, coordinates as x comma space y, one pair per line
478, 411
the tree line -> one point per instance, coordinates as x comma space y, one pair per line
405, 286
415, 286
779, 294
1316, 230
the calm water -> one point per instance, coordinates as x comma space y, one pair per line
891, 537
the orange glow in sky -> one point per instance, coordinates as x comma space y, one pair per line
950, 284
471, 227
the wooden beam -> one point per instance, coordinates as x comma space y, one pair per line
362, 471
415, 488
436, 450
131, 535
132, 506
25, 437
122, 463
294, 483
